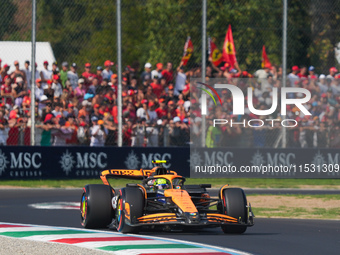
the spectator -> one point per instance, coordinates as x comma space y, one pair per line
46, 130
64, 74
60, 133
47, 108
168, 73
58, 90
130, 112
149, 95
303, 73
57, 110
142, 112
261, 74
114, 83
213, 136
133, 84
157, 88
14, 127
332, 72
38, 89
72, 75
4, 128
49, 91
4, 72
127, 133
161, 110
6, 91
107, 72
157, 72
138, 131
83, 131
180, 80
96, 112
171, 110
146, 75
28, 74
152, 115
312, 74
101, 88
175, 132
99, 74
17, 72
55, 69
72, 126
151, 134
71, 111
80, 91
111, 138
196, 131
88, 76
45, 75
98, 132
18, 91
322, 83
293, 77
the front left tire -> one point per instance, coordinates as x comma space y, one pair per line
95, 206
130, 206
234, 204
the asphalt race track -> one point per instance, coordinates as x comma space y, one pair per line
268, 236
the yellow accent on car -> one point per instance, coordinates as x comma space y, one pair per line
159, 161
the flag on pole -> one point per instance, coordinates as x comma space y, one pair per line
229, 52
265, 59
214, 53
188, 50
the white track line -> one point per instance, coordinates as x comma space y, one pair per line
114, 243
200, 247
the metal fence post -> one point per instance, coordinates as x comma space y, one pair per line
204, 54
284, 64
34, 16
119, 70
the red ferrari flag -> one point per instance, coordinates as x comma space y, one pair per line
214, 53
265, 59
188, 50
229, 52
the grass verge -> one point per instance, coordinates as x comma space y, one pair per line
296, 206
216, 183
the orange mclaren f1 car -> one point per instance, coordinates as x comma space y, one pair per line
163, 200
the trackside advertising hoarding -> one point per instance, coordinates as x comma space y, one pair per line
20, 163
84, 162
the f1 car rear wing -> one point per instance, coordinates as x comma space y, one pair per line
134, 174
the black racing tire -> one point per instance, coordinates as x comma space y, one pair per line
234, 204
133, 199
95, 206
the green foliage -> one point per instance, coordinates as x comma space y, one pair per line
7, 18
155, 31
254, 24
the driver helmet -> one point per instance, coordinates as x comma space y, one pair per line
161, 184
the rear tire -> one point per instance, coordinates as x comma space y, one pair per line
130, 200
234, 204
95, 206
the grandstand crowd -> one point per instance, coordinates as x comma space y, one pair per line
78, 106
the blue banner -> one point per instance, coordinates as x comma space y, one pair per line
20, 163
84, 162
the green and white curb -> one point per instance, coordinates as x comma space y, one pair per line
109, 241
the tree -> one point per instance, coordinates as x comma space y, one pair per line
7, 18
